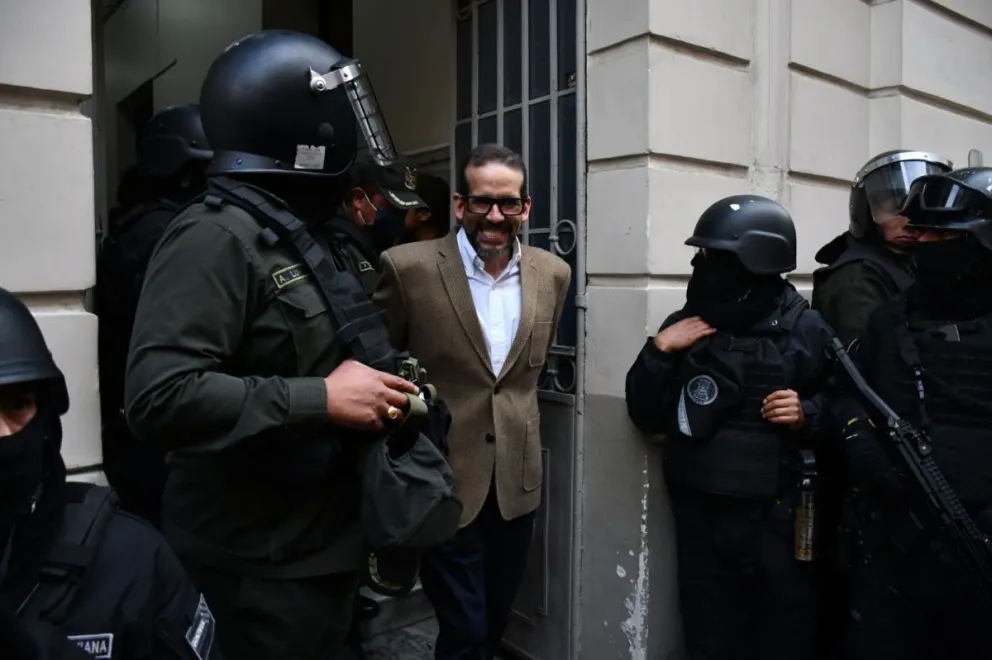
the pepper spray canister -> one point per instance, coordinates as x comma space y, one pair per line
805, 528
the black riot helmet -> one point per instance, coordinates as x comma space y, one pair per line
283, 102
756, 229
24, 355
880, 187
958, 201
171, 140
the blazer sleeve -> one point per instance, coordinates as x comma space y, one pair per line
563, 280
391, 297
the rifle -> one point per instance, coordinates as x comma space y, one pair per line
914, 450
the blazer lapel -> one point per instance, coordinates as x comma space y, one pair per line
455, 282
528, 310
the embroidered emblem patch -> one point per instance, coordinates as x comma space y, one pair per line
200, 635
702, 390
98, 646
290, 275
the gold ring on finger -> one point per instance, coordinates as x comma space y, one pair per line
393, 413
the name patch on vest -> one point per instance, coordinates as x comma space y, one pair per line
200, 635
364, 267
98, 646
290, 275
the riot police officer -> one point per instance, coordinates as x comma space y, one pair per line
872, 260
928, 353
76, 571
172, 156
732, 380
239, 360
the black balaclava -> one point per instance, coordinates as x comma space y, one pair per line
32, 499
727, 295
952, 280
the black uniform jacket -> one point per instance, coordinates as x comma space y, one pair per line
653, 382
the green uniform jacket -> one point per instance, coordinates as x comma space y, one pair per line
858, 279
231, 342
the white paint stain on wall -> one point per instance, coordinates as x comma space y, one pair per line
635, 627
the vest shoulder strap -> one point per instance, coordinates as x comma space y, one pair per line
361, 325
86, 515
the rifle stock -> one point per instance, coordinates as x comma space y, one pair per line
947, 516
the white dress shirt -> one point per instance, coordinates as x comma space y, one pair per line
497, 300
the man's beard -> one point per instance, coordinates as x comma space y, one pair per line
487, 254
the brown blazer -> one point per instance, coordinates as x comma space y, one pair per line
495, 418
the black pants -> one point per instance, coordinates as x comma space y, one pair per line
472, 581
257, 619
743, 594
915, 606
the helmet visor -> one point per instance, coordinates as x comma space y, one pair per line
888, 187
942, 203
364, 105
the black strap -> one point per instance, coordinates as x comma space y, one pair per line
86, 515
361, 323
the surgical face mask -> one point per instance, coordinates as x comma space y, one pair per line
387, 227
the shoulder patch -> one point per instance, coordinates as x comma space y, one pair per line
290, 275
100, 645
364, 266
200, 635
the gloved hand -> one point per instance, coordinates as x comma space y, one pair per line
869, 465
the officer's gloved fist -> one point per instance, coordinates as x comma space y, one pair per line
870, 467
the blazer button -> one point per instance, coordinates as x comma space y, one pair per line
490, 438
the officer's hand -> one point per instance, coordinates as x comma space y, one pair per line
360, 397
784, 407
680, 336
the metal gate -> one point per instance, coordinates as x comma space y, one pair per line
520, 82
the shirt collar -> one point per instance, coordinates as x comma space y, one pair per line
473, 262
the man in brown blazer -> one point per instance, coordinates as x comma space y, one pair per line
480, 310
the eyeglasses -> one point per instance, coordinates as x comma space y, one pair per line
483, 205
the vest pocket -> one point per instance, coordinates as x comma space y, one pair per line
308, 322
533, 474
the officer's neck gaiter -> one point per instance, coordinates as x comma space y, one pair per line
953, 280
32, 501
728, 296
21, 472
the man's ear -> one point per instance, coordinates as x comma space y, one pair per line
459, 204
357, 198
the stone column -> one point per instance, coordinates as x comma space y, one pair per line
46, 196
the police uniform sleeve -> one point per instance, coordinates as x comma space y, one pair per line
652, 384
855, 292
814, 369
185, 628
389, 296
198, 294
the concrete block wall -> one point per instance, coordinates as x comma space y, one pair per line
46, 196
691, 102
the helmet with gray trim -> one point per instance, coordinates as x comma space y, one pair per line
283, 102
958, 201
881, 186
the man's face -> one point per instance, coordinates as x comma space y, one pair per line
18, 406
493, 210
364, 204
893, 227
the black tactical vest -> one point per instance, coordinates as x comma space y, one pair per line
932, 375
746, 457
896, 277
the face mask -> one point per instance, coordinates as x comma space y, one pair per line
21, 470
387, 227
952, 278
727, 295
